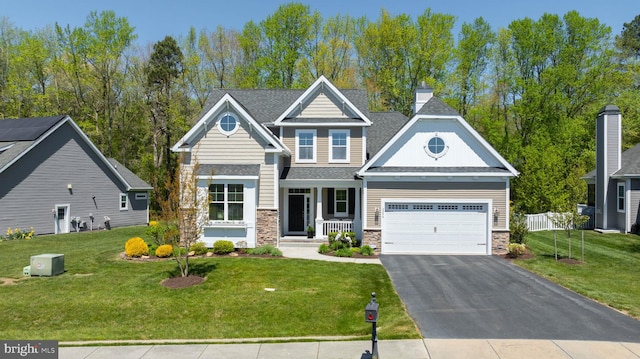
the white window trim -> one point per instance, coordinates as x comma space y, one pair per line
623, 197
218, 123
335, 203
226, 203
315, 146
348, 146
126, 202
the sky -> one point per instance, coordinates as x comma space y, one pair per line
155, 19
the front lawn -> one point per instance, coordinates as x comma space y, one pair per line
101, 296
610, 274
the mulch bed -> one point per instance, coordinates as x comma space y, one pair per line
355, 255
182, 282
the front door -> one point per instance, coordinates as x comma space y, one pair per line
296, 212
62, 218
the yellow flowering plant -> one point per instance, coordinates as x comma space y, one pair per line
18, 233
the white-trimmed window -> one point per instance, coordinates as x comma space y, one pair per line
341, 202
124, 203
339, 145
306, 148
620, 197
227, 202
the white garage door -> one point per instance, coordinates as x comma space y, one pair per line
435, 228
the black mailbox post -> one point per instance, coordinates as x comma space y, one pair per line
371, 316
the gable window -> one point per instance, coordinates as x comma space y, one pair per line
436, 147
227, 202
227, 124
341, 202
123, 202
338, 145
620, 197
305, 145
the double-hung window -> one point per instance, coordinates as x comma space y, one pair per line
620, 197
123, 202
227, 202
339, 146
341, 202
306, 146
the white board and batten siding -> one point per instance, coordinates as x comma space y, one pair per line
412, 226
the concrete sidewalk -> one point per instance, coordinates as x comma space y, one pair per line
388, 349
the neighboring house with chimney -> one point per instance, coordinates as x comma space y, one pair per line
54, 180
614, 186
276, 162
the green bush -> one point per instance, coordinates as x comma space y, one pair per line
336, 245
266, 249
17, 233
223, 247
324, 249
156, 231
164, 251
332, 237
352, 237
344, 252
199, 248
136, 247
366, 250
518, 228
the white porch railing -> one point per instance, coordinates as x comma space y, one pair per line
329, 226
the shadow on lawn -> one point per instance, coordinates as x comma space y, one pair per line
197, 269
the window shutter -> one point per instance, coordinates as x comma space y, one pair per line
330, 200
352, 200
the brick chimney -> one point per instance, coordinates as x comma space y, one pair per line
608, 161
424, 93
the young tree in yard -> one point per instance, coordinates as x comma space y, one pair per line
185, 209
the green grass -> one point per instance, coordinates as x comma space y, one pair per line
102, 297
610, 273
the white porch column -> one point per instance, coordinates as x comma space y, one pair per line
357, 220
319, 226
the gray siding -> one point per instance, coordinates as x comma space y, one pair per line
34, 185
607, 162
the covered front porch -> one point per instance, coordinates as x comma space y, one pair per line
320, 209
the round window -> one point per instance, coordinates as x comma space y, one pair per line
436, 147
227, 124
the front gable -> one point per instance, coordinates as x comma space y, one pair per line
438, 144
228, 128
322, 104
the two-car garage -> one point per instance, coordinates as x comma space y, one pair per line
444, 227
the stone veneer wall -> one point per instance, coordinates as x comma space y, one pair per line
499, 241
267, 227
373, 238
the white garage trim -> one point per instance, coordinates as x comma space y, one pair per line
436, 226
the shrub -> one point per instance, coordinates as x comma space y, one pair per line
516, 249
199, 248
336, 245
266, 249
324, 249
352, 237
344, 252
136, 247
518, 228
156, 231
366, 250
223, 247
332, 237
164, 251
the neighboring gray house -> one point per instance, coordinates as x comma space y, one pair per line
614, 186
52, 178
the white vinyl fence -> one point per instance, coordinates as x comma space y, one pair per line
543, 222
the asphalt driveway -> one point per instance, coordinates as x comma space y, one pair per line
487, 297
